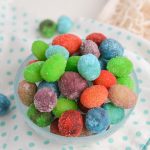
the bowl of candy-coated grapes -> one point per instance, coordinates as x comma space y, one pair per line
73, 90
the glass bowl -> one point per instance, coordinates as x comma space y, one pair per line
45, 132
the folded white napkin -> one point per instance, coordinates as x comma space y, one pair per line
133, 15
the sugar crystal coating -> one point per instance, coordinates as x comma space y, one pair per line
32, 72
77, 83
106, 79
70, 123
122, 96
4, 104
127, 81
56, 49
110, 48
45, 100
41, 119
96, 37
64, 104
94, 96
38, 49
97, 120
89, 47
72, 63
89, 67
51, 85
26, 92
71, 85
84, 132
54, 127
70, 41
120, 66
115, 114
53, 68
47, 28
64, 24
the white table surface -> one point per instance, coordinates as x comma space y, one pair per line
54, 8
